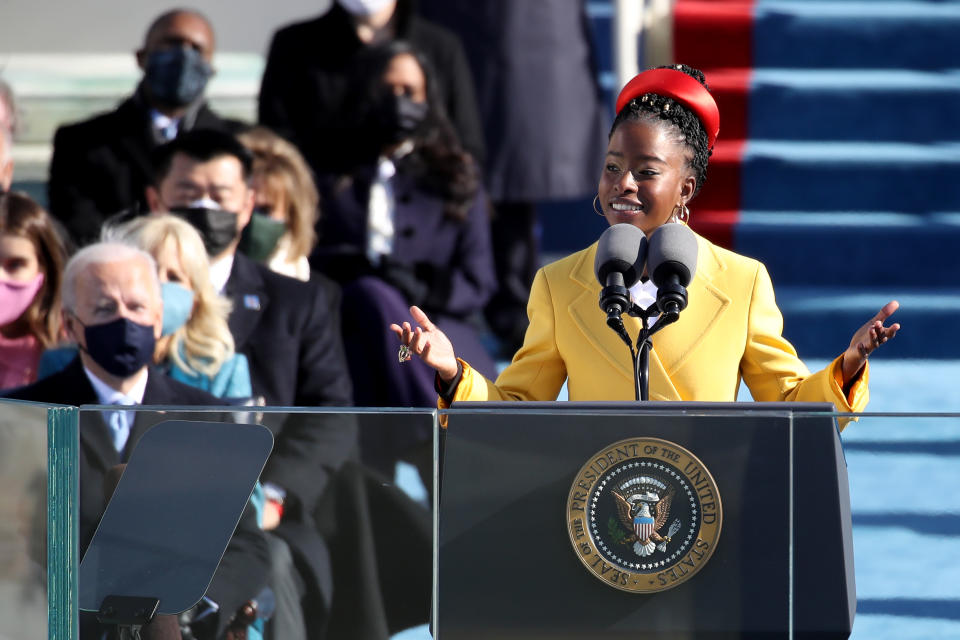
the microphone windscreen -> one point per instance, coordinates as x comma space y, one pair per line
672, 250
622, 249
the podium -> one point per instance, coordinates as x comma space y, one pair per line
775, 560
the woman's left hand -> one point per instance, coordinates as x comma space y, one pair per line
867, 338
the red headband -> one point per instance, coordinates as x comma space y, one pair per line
682, 88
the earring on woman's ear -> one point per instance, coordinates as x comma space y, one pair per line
683, 215
596, 205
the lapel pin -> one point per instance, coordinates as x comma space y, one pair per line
251, 302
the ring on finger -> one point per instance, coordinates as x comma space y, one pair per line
404, 353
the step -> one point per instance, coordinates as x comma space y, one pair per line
857, 248
856, 34
771, 175
821, 34
853, 105
838, 176
53, 89
820, 321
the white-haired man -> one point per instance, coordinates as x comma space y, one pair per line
113, 311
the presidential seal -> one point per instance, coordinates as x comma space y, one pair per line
644, 515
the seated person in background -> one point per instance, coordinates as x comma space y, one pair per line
408, 227
101, 166
282, 325
112, 309
287, 329
196, 346
281, 232
31, 267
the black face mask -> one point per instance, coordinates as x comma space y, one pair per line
399, 117
176, 77
122, 347
260, 237
217, 227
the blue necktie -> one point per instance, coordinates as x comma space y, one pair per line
119, 428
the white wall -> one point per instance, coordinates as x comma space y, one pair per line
111, 26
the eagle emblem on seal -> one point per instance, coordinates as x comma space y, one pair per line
634, 511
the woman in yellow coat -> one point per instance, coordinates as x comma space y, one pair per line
656, 161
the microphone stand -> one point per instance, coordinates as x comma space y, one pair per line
640, 354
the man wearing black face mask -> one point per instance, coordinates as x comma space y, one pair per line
289, 331
102, 166
113, 310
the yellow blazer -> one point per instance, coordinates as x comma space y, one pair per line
730, 331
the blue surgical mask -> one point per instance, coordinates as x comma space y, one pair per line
122, 347
177, 306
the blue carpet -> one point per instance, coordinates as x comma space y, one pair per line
868, 35
801, 104
844, 176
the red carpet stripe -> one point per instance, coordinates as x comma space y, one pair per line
716, 36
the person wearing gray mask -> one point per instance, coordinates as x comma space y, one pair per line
102, 166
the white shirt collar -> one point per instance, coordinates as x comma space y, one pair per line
644, 294
164, 124
220, 272
161, 120
108, 395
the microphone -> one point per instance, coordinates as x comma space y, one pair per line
621, 253
671, 264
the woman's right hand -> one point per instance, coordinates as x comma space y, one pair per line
428, 342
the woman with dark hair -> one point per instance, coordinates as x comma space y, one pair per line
32, 256
409, 226
659, 146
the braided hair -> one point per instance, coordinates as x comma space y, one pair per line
687, 126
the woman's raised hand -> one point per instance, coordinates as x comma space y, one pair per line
867, 338
428, 342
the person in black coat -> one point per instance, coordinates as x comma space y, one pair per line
427, 244
289, 330
101, 166
290, 333
309, 69
113, 310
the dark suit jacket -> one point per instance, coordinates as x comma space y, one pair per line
452, 261
308, 75
243, 570
102, 166
290, 332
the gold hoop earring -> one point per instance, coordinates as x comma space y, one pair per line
681, 213
596, 203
